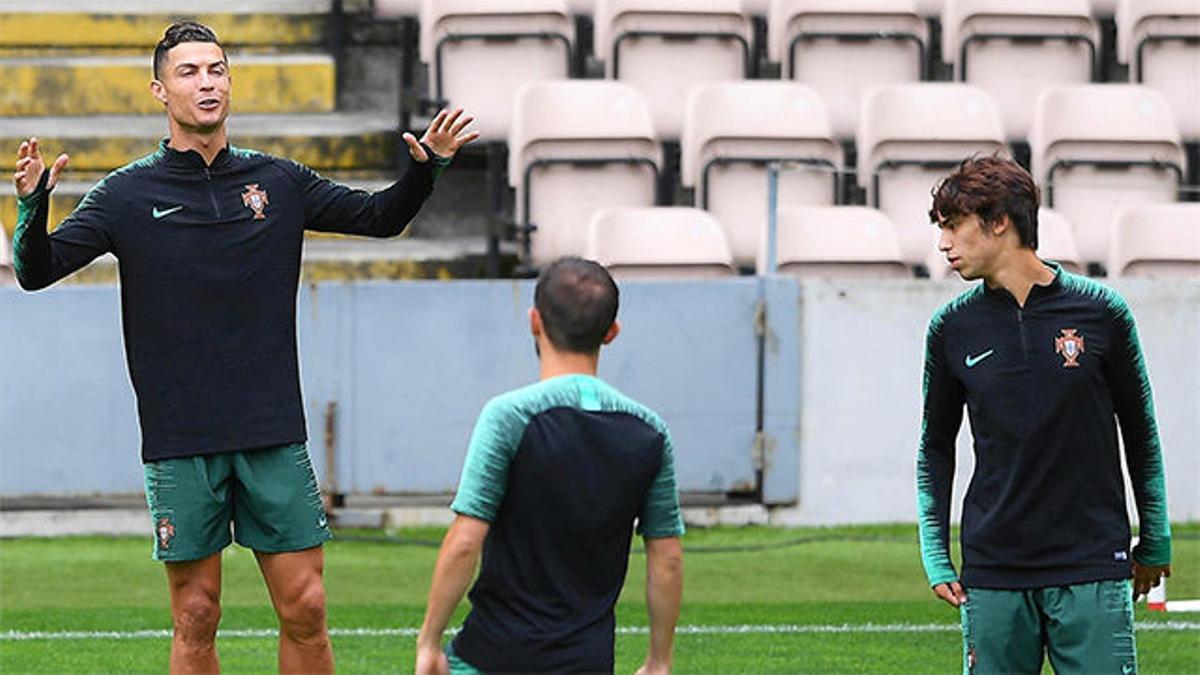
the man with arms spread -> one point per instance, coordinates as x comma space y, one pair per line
555, 475
208, 237
1046, 363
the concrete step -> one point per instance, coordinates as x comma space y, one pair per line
104, 85
141, 22
323, 141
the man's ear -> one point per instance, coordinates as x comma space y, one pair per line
1000, 225
613, 330
159, 91
535, 322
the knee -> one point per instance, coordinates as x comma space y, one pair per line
196, 620
303, 617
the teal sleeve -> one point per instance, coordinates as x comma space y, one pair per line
941, 418
489, 455
1134, 406
660, 515
41, 258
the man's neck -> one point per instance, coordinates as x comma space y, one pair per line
207, 144
1017, 273
556, 363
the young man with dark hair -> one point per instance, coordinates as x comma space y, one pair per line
208, 237
555, 475
1045, 362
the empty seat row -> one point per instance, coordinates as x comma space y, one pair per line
480, 51
1161, 241
581, 145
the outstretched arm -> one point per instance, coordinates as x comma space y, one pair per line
41, 258
455, 567
331, 207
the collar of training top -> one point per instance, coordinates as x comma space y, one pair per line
190, 159
1036, 292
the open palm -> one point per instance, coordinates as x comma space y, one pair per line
444, 135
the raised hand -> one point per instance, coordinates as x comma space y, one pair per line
444, 135
30, 167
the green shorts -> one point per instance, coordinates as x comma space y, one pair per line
1084, 628
457, 665
269, 495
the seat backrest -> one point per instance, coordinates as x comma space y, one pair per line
658, 242
1161, 241
1056, 241
962, 18
578, 117
665, 47
480, 75
836, 241
886, 43
753, 117
926, 121
1136, 19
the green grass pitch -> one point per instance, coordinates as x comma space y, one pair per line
849, 599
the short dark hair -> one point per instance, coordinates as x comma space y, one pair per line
180, 32
990, 187
577, 300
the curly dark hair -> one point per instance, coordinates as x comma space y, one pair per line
990, 187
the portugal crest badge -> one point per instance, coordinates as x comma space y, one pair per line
255, 200
165, 531
1070, 345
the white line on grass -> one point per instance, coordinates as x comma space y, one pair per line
745, 629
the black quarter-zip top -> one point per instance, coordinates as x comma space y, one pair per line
209, 263
1044, 386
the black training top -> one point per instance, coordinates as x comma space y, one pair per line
209, 260
1044, 386
561, 469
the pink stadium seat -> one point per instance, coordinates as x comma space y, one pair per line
911, 136
480, 51
1090, 165
842, 47
669, 242
1013, 49
576, 146
836, 242
732, 130
1160, 40
1159, 241
663, 48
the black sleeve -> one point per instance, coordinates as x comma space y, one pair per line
332, 207
41, 258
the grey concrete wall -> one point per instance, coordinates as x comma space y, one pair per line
409, 365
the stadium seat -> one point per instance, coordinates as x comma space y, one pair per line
667, 242
1160, 40
577, 145
1091, 165
836, 242
663, 48
731, 131
1159, 241
842, 47
481, 51
911, 136
1012, 49
1056, 241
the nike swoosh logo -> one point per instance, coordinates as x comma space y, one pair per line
166, 212
972, 360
